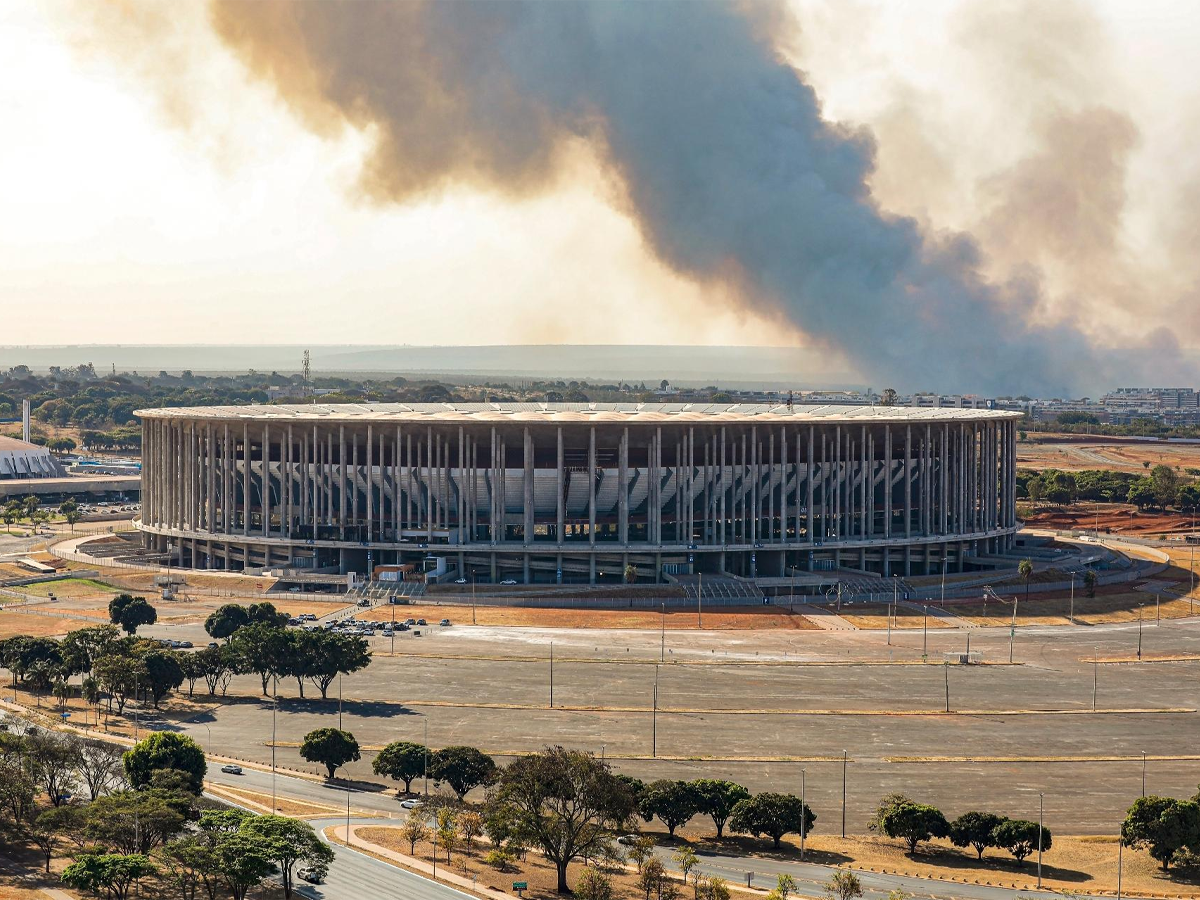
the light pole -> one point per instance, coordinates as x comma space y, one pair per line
552, 674
1071, 614
895, 601
946, 670
654, 718
925, 634
1143, 773
1139, 654
803, 809
274, 705
472, 598
1095, 677
699, 594
662, 645
945, 559
845, 759
1120, 851
1041, 803
339, 701
426, 757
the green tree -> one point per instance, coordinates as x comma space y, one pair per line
12, 513
288, 842
130, 612
330, 747
82, 647
112, 873
1141, 493
686, 861
137, 821
785, 886
565, 802
265, 649
674, 802
1162, 825
1089, 582
913, 823
401, 761
843, 885
166, 750
1166, 483
322, 655
1025, 570
974, 829
1020, 837
463, 768
160, 673
717, 799
225, 620
69, 510
244, 861
593, 884
773, 815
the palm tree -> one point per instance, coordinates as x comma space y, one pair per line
1025, 570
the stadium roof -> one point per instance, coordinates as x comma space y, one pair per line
584, 413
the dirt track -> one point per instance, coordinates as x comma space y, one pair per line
1074, 452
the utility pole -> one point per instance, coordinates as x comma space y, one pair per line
552, 674
946, 670
274, 705
662, 647
845, 759
803, 809
1139, 655
925, 635
1041, 804
699, 594
1071, 615
339, 701
1095, 677
1143, 773
654, 718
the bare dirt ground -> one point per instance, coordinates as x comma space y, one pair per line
14, 623
1108, 518
1073, 452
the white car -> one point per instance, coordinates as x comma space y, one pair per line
412, 803
509, 581
231, 769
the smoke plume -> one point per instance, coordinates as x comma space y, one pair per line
724, 159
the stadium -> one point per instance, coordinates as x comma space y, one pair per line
546, 493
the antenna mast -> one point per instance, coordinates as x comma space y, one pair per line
306, 371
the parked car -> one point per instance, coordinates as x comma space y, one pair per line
231, 769
212, 645
422, 622
411, 803
186, 645
444, 622
309, 874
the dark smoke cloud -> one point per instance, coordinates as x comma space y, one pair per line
726, 162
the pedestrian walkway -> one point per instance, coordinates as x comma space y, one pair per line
829, 621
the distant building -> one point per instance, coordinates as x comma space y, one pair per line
20, 459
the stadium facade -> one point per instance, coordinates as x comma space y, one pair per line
576, 492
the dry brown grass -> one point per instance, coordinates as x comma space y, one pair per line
14, 623
875, 616
725, 618
261, 802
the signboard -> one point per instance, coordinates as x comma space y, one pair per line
520, 885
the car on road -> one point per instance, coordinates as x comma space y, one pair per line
460, 581
411, 803
509, 581
231, 769
410, 622
311, 875
212, 645
185, 645
627, 840
444, 622
422, 622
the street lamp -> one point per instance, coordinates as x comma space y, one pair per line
845, 759
945, 559
1143, 773
803, 809
1139, 653
1041, 799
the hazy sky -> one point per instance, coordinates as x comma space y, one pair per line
153, 191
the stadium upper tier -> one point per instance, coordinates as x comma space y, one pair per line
735, 488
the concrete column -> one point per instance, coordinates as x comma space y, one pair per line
246, 479
592, 496
722, 519
770, 517
427, 478
369, 479
530, 474
810, 487
623, 489
266, 480
908, 479
560, 487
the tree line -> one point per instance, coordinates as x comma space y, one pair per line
1162, 487
122, 818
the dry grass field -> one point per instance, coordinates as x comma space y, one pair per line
1072, 452
14, 623
719, 618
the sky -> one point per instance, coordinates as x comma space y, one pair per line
158, 189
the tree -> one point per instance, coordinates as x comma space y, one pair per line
413, 830
463, 768
129, 612
69, 510
686, 860
712, 887
288, 842
1020, 838
974, 829
136, 821
12, 512
322, 655
113, 873
225, 620
1089, 582
160, 673
785, 886
330, 747
674, 802
470, 826
717, 799
1025, 570
445, 829
243, 861
401, 761
913, 823
264, 613
1166, 483
118, 676
264, 648
53, 760
1142, 494
219, 665
82, 647
1163, 825
773, 815
166, 750
843, 885
631, 573
593, 884
889, 397
100, 765
565, 802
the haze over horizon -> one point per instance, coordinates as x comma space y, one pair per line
989, 198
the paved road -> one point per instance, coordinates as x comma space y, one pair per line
355, 876
385, 804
